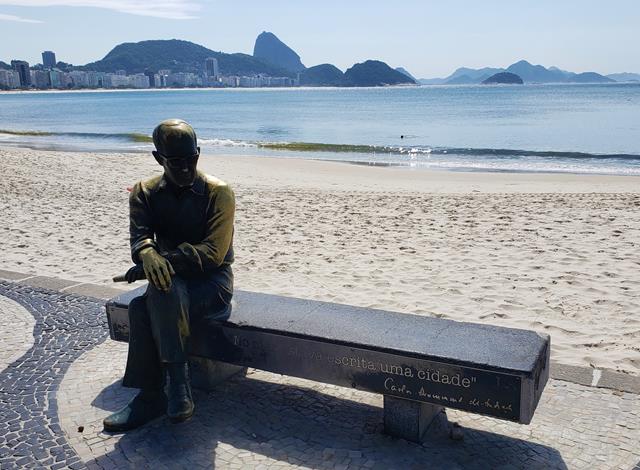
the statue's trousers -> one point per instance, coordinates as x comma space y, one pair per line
160, 323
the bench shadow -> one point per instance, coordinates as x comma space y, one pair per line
301, 426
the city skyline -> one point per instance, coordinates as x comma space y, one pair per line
44, 77
426, 38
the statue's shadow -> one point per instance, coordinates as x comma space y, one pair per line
286, 423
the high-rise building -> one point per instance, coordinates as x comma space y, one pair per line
211, 68
152, 79
117, 81
95, 79
22, 67
49, 59
56, 78
139, 80
80, 78
9, 79
41, 79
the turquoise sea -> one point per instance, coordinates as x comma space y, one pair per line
538, 128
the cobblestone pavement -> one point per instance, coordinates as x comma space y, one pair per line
16, 334
65, 327
54, 397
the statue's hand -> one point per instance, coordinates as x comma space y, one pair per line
157, 269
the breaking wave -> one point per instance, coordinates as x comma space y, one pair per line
425, 150
129, 136
424, 156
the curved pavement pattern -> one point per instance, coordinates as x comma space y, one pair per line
70, 379
65, 326
16, 331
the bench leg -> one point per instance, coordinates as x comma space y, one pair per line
206, 374
408, 419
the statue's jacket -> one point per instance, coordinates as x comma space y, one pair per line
192, 227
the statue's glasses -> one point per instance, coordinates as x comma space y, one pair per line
180, 162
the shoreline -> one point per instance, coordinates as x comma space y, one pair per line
401, 166
417, 85
347, 176
274, 88
544, 252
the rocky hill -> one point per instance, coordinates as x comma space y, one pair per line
184, 56
178, 56
503, 78
375, 73
322, 75
272, 50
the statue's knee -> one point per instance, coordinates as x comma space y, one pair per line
137, 303
138, 310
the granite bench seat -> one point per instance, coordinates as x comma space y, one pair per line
420, 364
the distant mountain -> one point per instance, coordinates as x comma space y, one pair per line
375, 73
178, 56
272, 50
584, 77
525, 70
625, 77
537, 73
557, 69
503, 78
322, 75
4, 65
406, 72
465, 75
588, 77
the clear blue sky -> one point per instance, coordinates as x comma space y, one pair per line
429, 38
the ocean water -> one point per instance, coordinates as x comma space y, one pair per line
531, 128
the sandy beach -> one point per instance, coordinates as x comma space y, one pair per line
554, 253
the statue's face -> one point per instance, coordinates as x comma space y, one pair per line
176, 151
179, 159
180, 170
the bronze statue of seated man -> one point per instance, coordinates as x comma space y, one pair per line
181, 226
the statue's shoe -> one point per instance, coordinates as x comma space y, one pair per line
143, 408
180, 406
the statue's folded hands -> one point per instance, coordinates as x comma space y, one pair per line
157, 268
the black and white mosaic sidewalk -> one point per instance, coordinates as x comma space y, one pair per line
65, 327
60, 376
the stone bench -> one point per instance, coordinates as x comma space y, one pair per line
420, 364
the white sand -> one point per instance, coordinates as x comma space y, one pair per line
553, 253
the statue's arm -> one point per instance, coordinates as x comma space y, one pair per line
140, 222
209, 253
